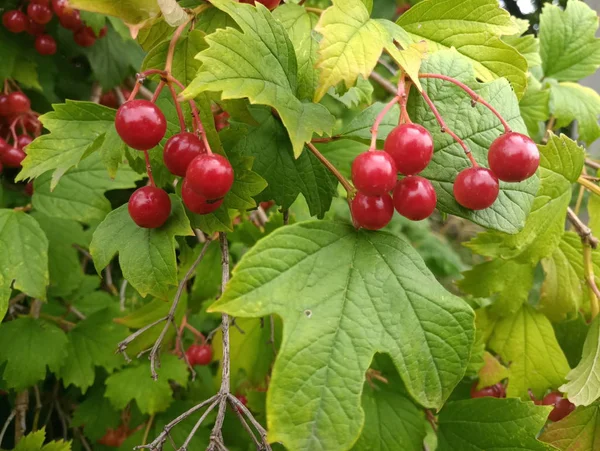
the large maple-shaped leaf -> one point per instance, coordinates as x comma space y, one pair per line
23, 254
571, 101
486, 424
473, 28
478, 128
579, 431
569, 48
146, 256
259, 62
345, 295
27, 346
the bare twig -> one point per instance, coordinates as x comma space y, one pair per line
549, 128
591, 280
38, 408
592, 164
6, 424
63, 418
96, 92
584, 232
122, 294
120, 97
383, 82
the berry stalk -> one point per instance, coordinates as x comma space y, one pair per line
349, 189
149, 168
378, 119
177, 107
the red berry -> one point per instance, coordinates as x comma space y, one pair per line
61, 7
494, 391
84, 37
270, 4
476, 188
40, 2
18, 103
374, 173
221, 120
4, 146
562, 406
71, 20
15, 21
5, 109
45, 44
12, 157
109, 99
180, 150
372, 212
34, 28
103, 31
411, 148
1, 167
149, 207
141, 124
197, 203
199, 354
41, 14
513, 157
414, 197
23, 140
29, 189
211, 176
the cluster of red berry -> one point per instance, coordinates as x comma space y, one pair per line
207, 179
39, 13
495, 391
271, 4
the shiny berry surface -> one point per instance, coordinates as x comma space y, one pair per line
513, 157
141, 124
211, 176
180, 150
45, 44
5, 109
15, 21
562, 406
195, 202
411, 148
71, 20
414, 198
1, 167
372, 212
199, 354
270, 4
41, 14
84, 37
12, 157
149, 207
18, 103
476, 188
494, 391
35, 29
23, 140
374, 173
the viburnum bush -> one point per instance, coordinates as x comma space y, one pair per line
303, 225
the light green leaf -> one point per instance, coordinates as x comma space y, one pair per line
535, 108
361, 94
80, 194
336, 280
570, 51
34, 441
571, 101
92, 343
131, 11
473, 28
23, 254
491, 372
579, 431
486, 424
234, 63
410, 59
527, 340
27, 346
360, 126
350, 45
583, 386
135, 384
528, 46
76, 129
146, 256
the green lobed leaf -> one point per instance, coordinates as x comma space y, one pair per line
473, 28
535, 107
329, 284
571, 101
234, 63
96, 414
486, 424
478, 127
579, 431
569, 49
527, 340
28, 346
491, 372
23, 254
528, 46
344, 54
583, 386
360, 126
34, 441
135, 384
146, 256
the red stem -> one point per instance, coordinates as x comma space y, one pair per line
149, 168
378, 119
159, 88
134, 91
177, 107
13, 130
445, 129
403, 91
474, 96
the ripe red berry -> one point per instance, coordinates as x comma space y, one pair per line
411, 148
71, 20
562, 406
23, 140
12, 157
195, 202
372, 212
476, 188
1, 167
5, 109
15, 21
180, 150
4, 145
221, 120
141, 124
149, 207
84, 37
18, 103
211, 176
494, 391
38, 13
103, 31
513, 157
414, 197
45, 44
34, 28
61, 7
270, 4
374, 173
199, 354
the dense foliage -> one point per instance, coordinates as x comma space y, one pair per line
314, 225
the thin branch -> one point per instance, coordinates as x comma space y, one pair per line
6, 424
383, 82
589, 185
173, 44
549, 128
592, 164
96, 92
120, 97
122, 294
349, 189
584, 232
38, 408
63, 419
147, 430
591, 279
